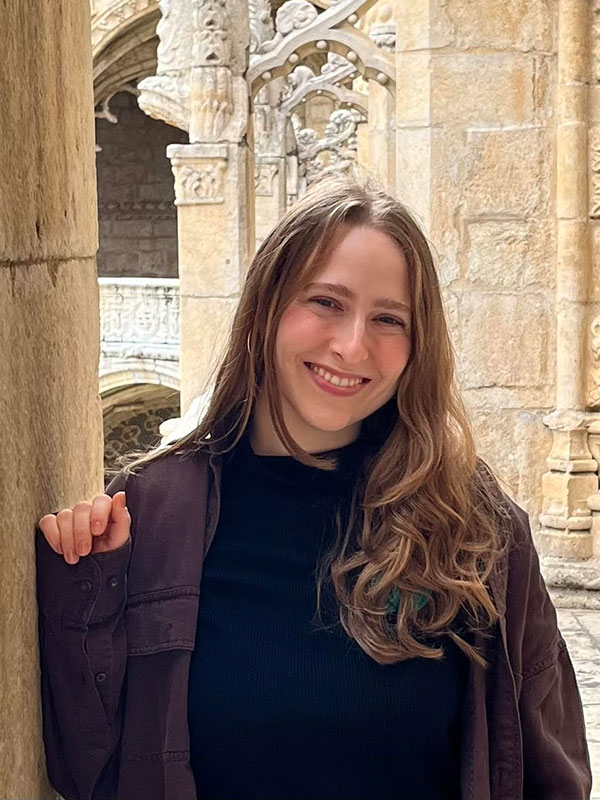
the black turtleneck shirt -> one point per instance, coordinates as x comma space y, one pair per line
281, 707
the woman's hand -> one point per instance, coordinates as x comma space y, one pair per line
97, 527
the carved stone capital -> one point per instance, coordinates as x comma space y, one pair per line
199, 172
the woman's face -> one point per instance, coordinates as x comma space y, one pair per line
355, 327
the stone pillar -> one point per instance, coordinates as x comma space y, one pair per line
566, 518
200, 85
214, 228
381, 133
269, 125
49, 330
380, 136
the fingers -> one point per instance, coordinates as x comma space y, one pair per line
49, 527
82, 536
64, 520
100, 515
119, 513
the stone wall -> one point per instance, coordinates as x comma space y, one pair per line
476, 161
137, 216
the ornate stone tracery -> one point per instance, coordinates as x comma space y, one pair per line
301, 30
339, 142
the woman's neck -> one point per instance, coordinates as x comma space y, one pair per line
265, 441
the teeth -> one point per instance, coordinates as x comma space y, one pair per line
333, 379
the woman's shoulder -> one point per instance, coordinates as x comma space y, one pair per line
160, 474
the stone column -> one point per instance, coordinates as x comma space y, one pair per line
381, 134
200, 85
269, 125
214, 224
572, 476
49, 333
380, 25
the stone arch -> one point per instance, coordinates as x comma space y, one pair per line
134, 405
127, 52
353, 44
118, 19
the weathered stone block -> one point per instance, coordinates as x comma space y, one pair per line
413, 79
501, 94
503, 24
422, 25
511, 254
505, 339
509, 172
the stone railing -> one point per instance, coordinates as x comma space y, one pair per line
139, 318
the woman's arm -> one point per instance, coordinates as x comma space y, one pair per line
83, 653
555, 752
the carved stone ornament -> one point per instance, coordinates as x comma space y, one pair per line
301, 31
212, 102
261, 23
595, 32
174, 52
594, 167
565, 420
212, 42
139, 311
302, 83
202, 182
105, 24
379, 24
265, 173
293, 15
594, 393
166, 98
339, 141
269, 120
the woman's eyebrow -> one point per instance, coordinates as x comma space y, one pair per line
348, 294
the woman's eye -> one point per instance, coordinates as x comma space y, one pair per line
323, 301
393, 321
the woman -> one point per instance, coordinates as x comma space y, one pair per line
371, 620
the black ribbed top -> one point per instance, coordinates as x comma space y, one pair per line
281, 708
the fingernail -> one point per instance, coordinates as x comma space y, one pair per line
97, 525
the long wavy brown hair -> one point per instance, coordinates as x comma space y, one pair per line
427, 520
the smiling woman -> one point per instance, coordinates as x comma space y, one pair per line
363, 579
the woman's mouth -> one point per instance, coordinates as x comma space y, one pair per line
342, 387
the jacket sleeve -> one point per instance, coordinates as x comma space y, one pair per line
555, 753
83, 653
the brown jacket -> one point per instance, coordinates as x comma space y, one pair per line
117, 631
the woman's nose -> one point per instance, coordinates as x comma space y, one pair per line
350, 341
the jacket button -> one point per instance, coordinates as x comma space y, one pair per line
85, 586
100, 676
113, 581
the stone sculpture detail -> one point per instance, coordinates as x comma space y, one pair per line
339, 142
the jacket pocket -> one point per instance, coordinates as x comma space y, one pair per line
164, 620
